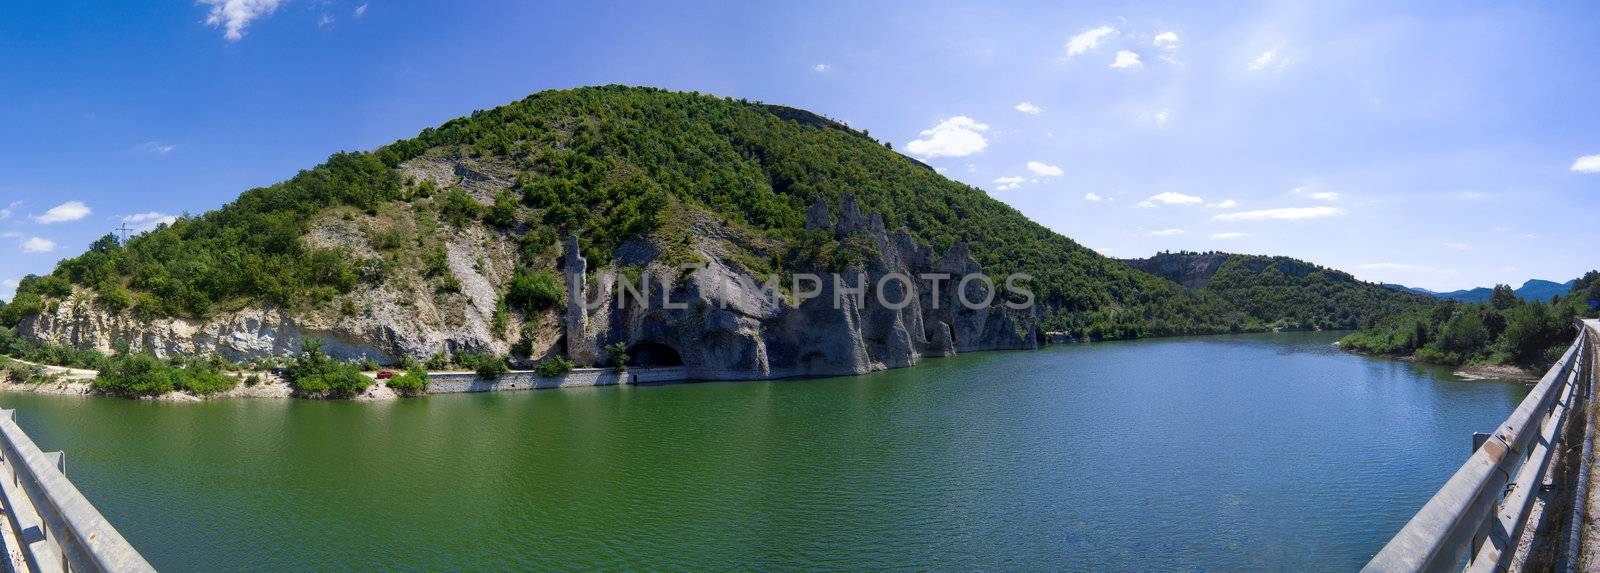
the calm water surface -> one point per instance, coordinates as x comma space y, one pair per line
1211, 453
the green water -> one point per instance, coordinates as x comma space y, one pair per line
1220, 453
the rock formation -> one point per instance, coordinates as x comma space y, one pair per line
721, 322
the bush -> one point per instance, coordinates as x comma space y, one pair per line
412, 383
553, 367
135, 375
201, 382
619, 355
488, 366
533, 290
458, 208
314, 373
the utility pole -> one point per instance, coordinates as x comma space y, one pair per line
125, 230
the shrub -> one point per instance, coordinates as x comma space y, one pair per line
535, 290
314, 373
458, 208
200, 381
488, 366
503, 213
619, 355
412, 383
554, 367
135, 375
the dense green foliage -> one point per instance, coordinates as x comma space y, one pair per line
316, 374
249, 250
535, 290
488, 366
1289, 293
555, 366
414, 382
139, 374
1505, 330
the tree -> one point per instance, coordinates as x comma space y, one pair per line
619, 355
1503, 297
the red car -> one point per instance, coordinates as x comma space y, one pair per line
387, 374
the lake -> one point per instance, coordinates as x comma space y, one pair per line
1272, 451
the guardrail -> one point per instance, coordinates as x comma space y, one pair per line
1480, 513
56, 527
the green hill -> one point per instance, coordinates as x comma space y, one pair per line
608, 163
1284, 292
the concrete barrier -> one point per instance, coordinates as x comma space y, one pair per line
459, 382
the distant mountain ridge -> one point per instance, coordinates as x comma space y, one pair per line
1533, 289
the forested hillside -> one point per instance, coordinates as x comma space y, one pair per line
1504, 330
610, 163
1281, 292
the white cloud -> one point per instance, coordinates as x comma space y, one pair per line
234, 15
325, 21
157, 147
1170, 198
1088, 40
958, 136
1165, 233
1228, 235
149, 221
1281, 214
1092, 197
69, 211
1166, 40
1144, 205
1268, 59
1324, 196
38, 245
1161, 117
1043, 169
1224, 204
1587, 164
361, 10
1125, 59
1028, 108
820, 68
9, 209
1008, 183
1458, 246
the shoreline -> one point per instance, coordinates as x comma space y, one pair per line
79, 382
1473, 372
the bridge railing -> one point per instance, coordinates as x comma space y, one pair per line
55, 526
1481, 510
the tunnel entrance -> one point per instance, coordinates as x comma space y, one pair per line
653, 355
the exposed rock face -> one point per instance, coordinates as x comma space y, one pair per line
1193, 270
720, 324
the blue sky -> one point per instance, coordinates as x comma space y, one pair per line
1438, 144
